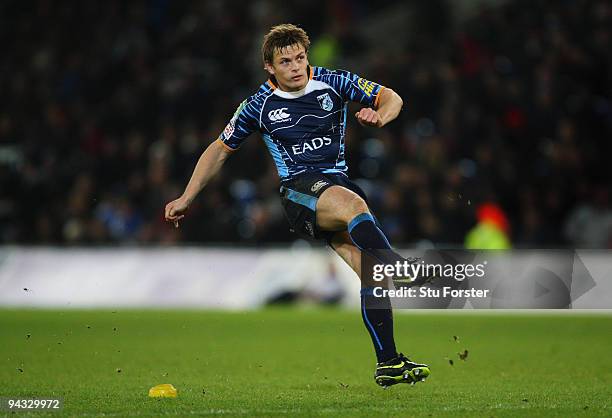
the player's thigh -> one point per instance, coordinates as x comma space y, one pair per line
337, 206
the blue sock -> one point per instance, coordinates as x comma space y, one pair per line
378, 319
370, 239
376, 312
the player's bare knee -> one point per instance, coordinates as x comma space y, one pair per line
356, 207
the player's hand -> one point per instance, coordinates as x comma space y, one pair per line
175, 210
369, 117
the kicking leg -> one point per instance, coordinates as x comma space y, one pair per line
340, 209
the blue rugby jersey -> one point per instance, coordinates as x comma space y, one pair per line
303, 130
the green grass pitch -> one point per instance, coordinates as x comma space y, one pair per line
279, 362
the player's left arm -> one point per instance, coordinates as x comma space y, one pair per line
389, 104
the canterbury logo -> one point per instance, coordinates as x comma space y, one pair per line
278, 114
317, 186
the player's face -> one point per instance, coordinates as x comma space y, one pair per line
289, 67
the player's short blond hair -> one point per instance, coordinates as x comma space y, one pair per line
280, 37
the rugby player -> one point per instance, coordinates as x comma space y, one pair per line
301, 113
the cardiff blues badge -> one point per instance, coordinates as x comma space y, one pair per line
325, 101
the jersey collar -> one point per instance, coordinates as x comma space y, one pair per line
274, 86
291, 94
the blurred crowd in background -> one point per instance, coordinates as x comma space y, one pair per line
106, 106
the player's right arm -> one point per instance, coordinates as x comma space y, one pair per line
208, 166
242, 124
